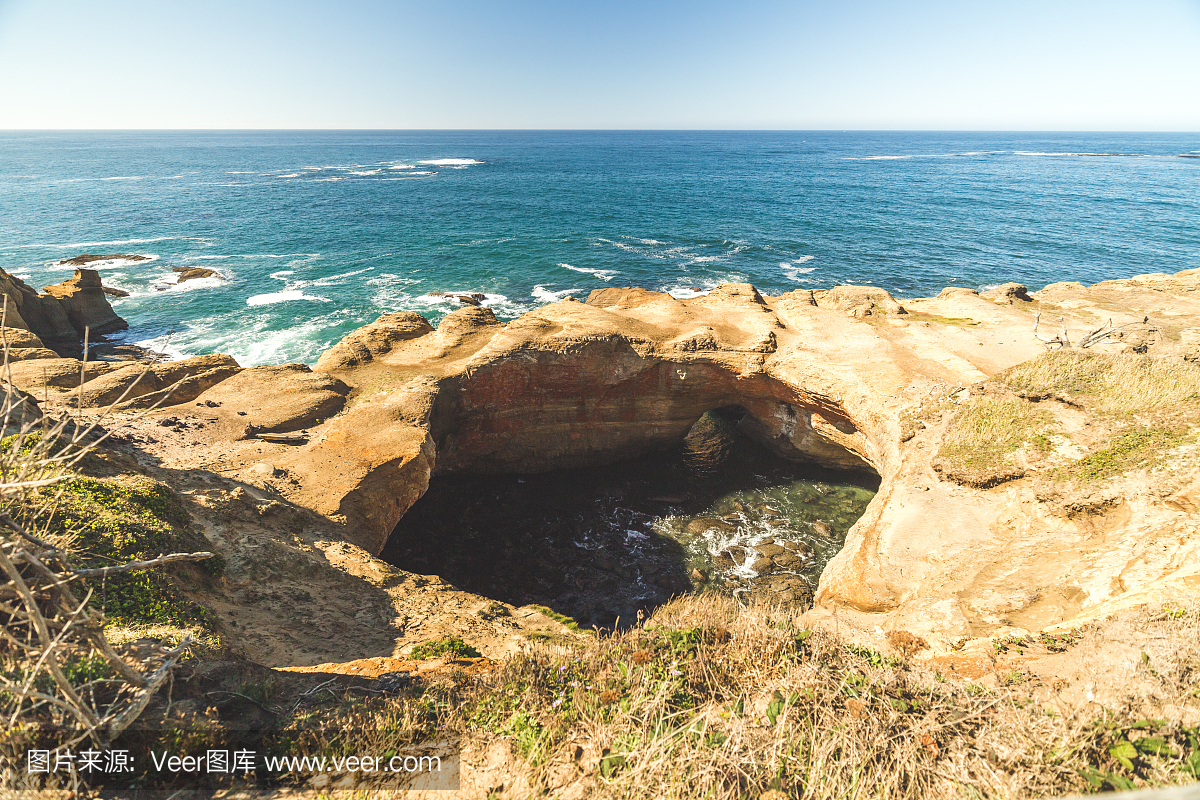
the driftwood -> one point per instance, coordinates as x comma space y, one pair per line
1094, 337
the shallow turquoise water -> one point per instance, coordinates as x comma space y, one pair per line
317, 233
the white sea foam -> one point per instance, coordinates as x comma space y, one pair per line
602, 274
544, 295
688, 286
450, 162
793, 272
402, 166
282, 297
171, 283
366, 172
332, 278
293, 175
1115, 155
166, 345
705, 259
279, 276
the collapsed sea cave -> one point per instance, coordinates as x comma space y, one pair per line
715, 512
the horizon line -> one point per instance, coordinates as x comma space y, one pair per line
599, 130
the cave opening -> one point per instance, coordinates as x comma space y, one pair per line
716, 512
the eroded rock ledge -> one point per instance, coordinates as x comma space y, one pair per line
849, 378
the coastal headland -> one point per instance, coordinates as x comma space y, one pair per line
1035, 450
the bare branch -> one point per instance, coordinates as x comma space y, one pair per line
134, 566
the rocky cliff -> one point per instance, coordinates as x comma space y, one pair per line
60, 316
1011, 497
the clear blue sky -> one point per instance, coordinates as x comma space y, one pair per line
1016, 65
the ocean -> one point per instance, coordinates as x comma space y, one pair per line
315, 233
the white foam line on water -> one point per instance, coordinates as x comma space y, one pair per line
450, 162
255, 255
332, 278
282, 297
170, 284
793, 272
117, 241
602, 274
546, 296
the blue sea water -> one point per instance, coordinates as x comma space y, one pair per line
318, 232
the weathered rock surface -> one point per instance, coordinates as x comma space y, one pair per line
820, 379
43, 315
89, 258
86, 305
279, 399
192, 273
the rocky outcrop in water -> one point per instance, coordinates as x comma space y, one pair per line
194, 273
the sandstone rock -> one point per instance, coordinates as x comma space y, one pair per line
112, 292
30, 353
59, 373
627, 297
83, 299
280, 399
183, 388
135, 385
25, 308
858, 300
372, 341
769, 550
466, 321
585, 384
1008, 293
192, 273
16, 338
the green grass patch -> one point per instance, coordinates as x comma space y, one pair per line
116, 520
983, 436
451, 646
1131, 449
958, 322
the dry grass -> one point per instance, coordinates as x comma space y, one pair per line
710, 701
1110, 384
1141, 407
984, 435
